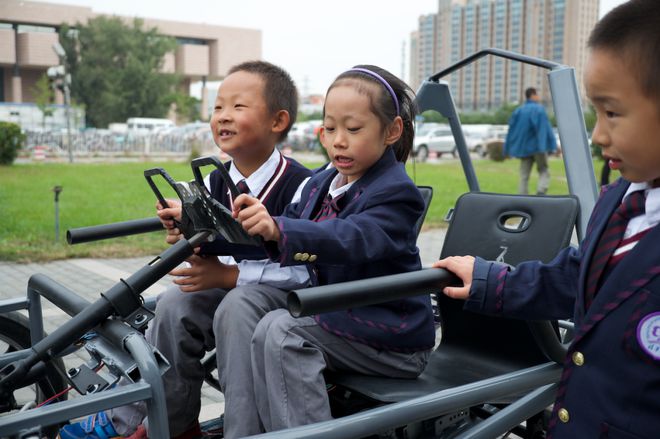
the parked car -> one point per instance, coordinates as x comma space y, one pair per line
438, 139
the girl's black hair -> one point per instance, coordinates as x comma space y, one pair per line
383, 106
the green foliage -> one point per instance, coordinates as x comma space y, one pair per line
498, 117
11, 140
303, 117
43, 97
115, 69
187, 107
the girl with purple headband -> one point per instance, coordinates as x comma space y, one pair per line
354, 221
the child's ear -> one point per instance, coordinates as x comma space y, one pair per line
280, 121
322, 136
394, 131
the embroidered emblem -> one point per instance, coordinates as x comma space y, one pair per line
648, 334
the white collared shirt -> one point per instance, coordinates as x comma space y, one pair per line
651, 216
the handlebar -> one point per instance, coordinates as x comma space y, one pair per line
335, 297
113, 230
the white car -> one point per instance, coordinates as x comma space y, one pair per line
438, 139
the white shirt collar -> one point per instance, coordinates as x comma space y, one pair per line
260, 177
335, 190
651, 215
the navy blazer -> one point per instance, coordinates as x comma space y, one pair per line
372, 235
611, 381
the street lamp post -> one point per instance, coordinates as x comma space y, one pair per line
60, 74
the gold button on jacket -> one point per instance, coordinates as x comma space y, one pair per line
312, 258
304, 257
297, 257
578, 358
563, 415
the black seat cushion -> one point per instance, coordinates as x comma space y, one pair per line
511, 228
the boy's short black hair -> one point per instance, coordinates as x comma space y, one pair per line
632, 31
531, 91
280, 92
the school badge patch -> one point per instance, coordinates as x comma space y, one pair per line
648, 334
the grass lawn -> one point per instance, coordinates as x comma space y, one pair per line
96, 194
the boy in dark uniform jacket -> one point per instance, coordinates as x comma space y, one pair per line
610, 387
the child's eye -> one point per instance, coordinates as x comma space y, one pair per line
610, 114
329, 129
217, 108
239, 106
353, 130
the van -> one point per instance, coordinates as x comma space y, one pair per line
147, 123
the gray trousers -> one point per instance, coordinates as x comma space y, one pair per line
526, 163
183, 332
270, 364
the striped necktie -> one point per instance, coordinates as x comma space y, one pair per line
631, 207
330, 208
242, 187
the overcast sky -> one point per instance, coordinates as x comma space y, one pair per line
314, 41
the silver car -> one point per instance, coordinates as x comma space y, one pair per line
437, 139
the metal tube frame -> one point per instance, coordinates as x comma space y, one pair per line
380, 419
149, 389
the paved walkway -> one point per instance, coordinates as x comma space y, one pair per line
89, 277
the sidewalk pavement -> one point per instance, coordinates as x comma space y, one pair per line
90, 277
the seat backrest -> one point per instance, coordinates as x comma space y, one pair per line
510, 229
427, 195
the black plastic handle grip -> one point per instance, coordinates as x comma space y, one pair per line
364, 292
113, 230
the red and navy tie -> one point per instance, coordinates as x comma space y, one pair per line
329, 209
242, 187
631, 207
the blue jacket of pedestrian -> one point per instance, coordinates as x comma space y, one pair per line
529, 132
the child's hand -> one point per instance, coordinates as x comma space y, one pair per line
167, 217
461, 266
204, 274
254, 217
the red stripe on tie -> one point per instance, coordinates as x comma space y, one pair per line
632, 206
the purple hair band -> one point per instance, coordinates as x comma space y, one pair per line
382, 81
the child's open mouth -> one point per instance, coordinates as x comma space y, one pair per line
226, 134
342, 161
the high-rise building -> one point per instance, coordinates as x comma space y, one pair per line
555, 30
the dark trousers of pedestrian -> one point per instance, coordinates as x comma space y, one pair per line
526, 164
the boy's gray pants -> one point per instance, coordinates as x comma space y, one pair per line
183, 332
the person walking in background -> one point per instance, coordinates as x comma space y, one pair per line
530, 138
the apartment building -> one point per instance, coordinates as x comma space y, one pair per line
29, 29
556, 30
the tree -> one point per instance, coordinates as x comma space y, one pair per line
187, 107
43, 97
115, 69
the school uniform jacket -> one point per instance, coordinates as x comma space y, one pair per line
283, 185
372, 235
610, 387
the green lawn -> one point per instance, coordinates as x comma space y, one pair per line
105, 193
